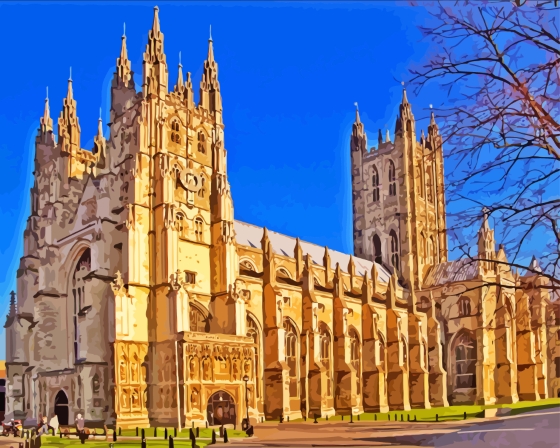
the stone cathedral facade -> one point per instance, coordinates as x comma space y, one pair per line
141, 300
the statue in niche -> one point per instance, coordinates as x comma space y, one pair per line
247, 368
236, 369
194, 398
206, 369
192, 369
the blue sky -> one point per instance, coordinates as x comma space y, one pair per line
289, 73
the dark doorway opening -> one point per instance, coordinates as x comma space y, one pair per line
221, 409
377, 255
61, 407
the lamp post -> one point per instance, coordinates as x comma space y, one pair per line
246, 379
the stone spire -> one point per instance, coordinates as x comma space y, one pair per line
179, 86
123, 76
486, 242
210, 97
68, 126
189, 96
359, 138
155, 67
99, 144
46, 120
433, 127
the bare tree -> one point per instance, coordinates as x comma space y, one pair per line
499, 64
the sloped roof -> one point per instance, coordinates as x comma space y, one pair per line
250, 235
452, 271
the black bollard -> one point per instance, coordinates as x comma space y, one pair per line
402, 418
315, 421
465, 416
120, 431
143, 438
137, 431
250, 431
389, 417
281, 418
375, 417
304, 418
170, 442
408, 417
414, 418
288, 419
193, 443
206, 423
213, 442
226, 440
197, 431
327, 417
437, 418
165, 434
221, 430
114, 435
358, 417
60, 432
174, 432
342, 417
351, 418
155, 431
191, 434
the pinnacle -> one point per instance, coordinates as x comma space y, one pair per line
404, 98
155, 24
69, 94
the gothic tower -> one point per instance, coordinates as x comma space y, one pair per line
398, 198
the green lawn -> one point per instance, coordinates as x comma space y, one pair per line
446, 414
57, 442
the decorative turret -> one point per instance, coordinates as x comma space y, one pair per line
46, 126
298, 255
486, 242
405, 116
189, 96
358, 147
358, 141
327, 265
68, 126
210, 97
123, 75
13, 305
155, 67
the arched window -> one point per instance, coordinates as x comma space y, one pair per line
355, 357
464, 305
404, 347
175, 136
292, 355
83, 267
201, 142
247, 266
375, 184
429, 185
392, 179
202, 191
197, 320
465, 362
394, 249
430, 251
424, 303
381, 361
326, 357
422, 247
181, 225
377, 254
254, 334
282, 272
419, 181
198, 229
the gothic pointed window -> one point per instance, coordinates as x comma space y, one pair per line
377, 255
355, 357
429, 185
83, 268
197, 320
430, 251
394, 249
202, 191
292, 355
201, 142
326, 357
175, 136
375, 184
392, 179
198, 229
464, 360
181, 225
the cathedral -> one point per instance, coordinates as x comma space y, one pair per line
142, 301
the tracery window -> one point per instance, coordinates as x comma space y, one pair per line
254, 333
197, 320
430, 251
429, 185
292, 346
202, 192
247, 265
355, 357
181, 225
465, 362
201, 142
394, 249
326, 358
392, 179
83, 267
464, 305
198, 228
375, 184
175, 136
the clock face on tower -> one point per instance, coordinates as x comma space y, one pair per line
190, 180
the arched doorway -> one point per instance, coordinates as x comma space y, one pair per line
61, 407
221, 409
